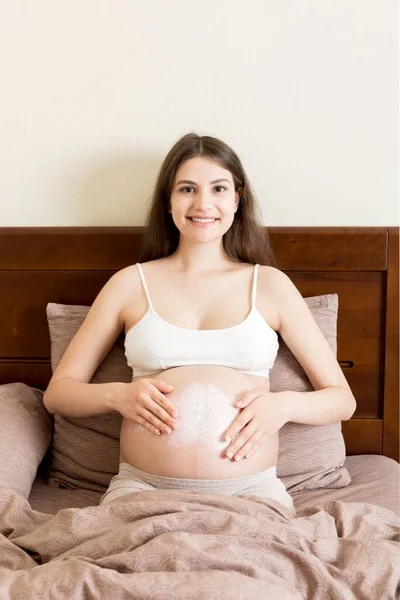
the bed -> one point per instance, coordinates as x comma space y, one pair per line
344, 543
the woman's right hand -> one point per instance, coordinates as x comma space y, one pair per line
144, 402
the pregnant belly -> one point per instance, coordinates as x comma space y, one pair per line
204, 397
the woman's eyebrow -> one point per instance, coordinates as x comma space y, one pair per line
194, 183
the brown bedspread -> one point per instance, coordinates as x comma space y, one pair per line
175, 545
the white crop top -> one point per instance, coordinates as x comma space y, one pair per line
153, 344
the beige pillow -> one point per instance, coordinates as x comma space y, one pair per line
85, 452
26, 430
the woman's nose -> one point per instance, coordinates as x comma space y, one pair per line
202, 200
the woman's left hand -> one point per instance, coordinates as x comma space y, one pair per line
263, 414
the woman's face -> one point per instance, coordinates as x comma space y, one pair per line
203, 190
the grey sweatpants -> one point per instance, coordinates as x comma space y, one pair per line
265, 484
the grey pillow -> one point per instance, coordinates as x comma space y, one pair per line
26, 430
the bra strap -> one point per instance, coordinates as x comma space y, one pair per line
253, 295
139, 268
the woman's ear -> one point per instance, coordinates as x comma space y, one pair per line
238, 195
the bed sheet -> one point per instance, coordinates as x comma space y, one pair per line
374, 479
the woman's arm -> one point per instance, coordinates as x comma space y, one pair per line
321, 407
69, 391
265, 413
332, 399
71, 398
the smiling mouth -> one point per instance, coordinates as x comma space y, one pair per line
203, 220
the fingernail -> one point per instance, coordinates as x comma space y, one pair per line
230, 454
228, 439
240, 403
238, 457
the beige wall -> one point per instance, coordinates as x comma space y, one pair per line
95, 92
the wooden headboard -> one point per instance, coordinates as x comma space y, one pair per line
360, 264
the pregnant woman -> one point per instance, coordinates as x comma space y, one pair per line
201, 313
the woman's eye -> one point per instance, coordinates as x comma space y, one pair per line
189, 187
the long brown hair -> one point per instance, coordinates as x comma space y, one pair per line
246, 240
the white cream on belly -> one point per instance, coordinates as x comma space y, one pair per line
204, 414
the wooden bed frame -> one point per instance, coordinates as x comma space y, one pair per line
69, 265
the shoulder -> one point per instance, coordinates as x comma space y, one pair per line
278, 290
123, 279
126, 283
275, 280
122, 287
129, 276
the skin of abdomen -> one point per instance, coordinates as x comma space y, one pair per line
204, 396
